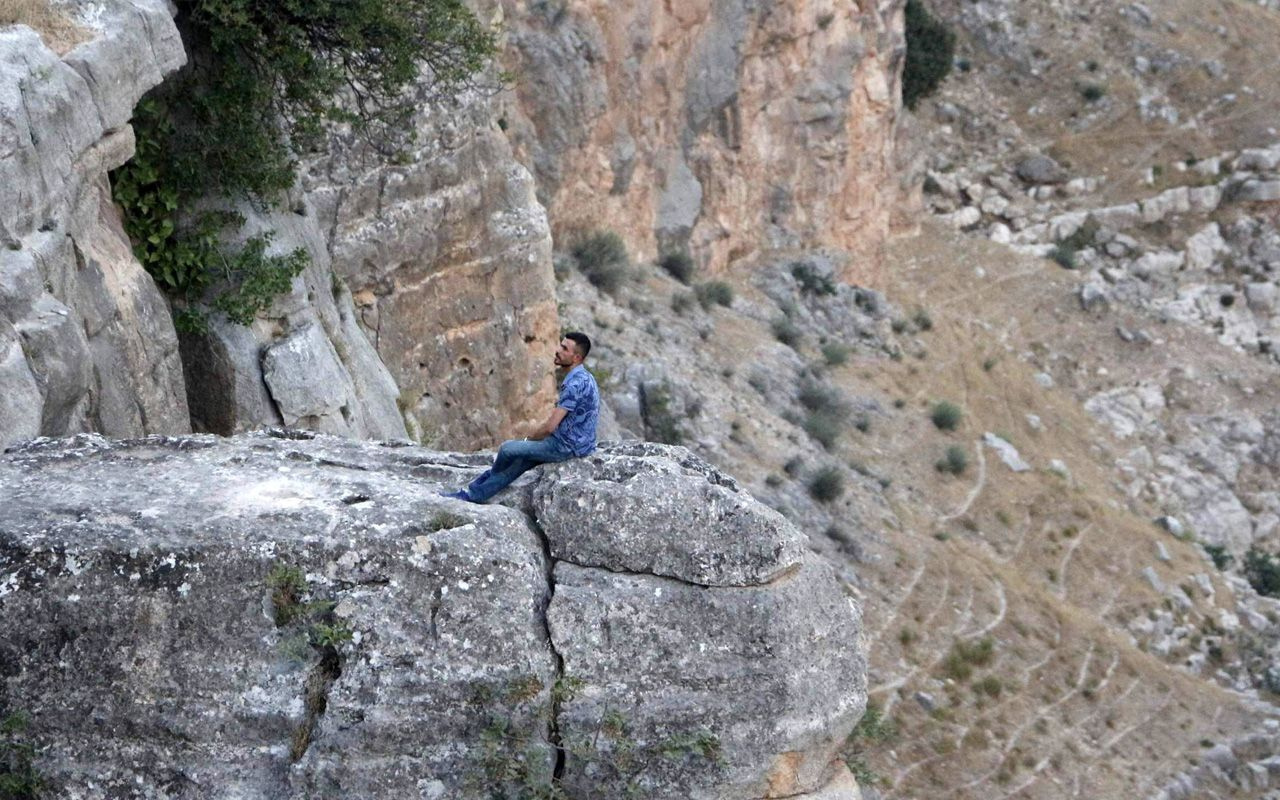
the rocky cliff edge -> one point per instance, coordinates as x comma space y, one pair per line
286, 614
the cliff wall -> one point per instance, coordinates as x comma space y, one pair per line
86, 341
727, 127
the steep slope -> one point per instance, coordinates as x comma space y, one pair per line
1031, 632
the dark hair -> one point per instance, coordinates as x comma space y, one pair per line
582, 342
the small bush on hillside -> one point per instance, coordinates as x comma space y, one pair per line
678, 265
811, 280
786, 331
1063, 256
1263, 571
827, 484
955, 461
959, 663
715, 293
945, 415
1093, 92
827, 412
820, 397
931, 46
823, 428
835, 353
922, 320
660, 423
682, 302
1221, 558
602, 257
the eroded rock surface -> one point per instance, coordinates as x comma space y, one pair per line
638, 509
447, 259
731, 127
86, 339
294, 615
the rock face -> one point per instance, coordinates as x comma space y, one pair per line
292, 615
447, 259
86, 340
304, 363
729, 127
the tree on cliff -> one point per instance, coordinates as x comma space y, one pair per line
930, 47
264, 82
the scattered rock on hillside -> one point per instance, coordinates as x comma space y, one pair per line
1039, 170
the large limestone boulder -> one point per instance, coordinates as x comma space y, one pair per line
293, 615
95, 345
646, 508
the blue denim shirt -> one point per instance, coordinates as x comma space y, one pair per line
580, 397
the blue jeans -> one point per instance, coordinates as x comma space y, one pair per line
514, 459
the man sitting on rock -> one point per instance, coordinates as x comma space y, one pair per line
569, 432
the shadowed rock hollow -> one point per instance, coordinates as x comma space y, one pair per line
293, 615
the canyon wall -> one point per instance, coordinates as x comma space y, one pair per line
728, 127
447, 256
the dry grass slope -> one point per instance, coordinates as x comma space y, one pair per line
60, 32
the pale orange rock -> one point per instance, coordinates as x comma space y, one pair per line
730, 130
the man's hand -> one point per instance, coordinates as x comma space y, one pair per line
547, 428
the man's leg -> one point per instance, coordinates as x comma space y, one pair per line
514, 458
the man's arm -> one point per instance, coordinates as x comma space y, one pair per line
553, 421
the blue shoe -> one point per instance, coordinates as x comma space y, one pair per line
461, 494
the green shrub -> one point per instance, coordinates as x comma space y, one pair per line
823, 428
827, 484
945, 415
1262, 569
263, 81
922, 320
811, 280
990, 686
714, 293
827, 412
786, 331
820, 397
678, 265
602, 257
19, 778
681, 302
1093, 92
955, 461
963, 657
1063, 256
793, 466
1218, 553
930, 48
660, 422
835, 353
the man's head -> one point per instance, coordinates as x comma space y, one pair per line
573, 350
